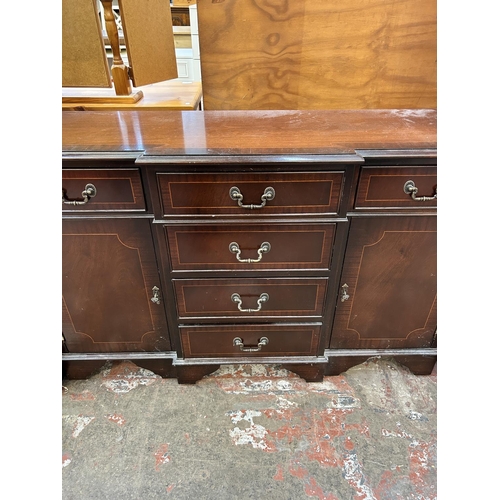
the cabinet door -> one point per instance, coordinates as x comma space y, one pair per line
109, 272
387, 294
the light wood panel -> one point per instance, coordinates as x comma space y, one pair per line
318, 54
84, 61
147, 27
169, 95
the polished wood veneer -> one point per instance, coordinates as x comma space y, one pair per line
249, 132
184, 194
109, 271
384, 187
292, 246
163, 266
288, 298
390, 269
119, 189
318, 54
217, 341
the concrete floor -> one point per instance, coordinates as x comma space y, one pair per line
250, 432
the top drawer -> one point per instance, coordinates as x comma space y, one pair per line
111, 190
384, 187
253, 193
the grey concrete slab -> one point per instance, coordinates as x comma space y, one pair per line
250, 432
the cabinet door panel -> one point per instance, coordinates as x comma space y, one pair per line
109, 271
390, 278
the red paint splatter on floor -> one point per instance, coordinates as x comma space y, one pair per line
161, 456
121, 369
117, 419
66, 460
84, 396
325, 435
124, 376
354, 475
279, 473
421, 462
385, 484
419, 466
311, 436
349, 445
328, 424
311, 487
260, 380
298, 471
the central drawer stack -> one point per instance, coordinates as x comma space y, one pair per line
248, 259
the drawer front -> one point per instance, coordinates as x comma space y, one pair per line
290, 193
270, 247
251, 298
383, 187
219, 340
116, 190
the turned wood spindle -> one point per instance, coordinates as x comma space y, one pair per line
119, 70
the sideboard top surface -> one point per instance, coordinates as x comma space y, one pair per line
336, 132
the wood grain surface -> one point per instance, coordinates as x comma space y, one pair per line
109, 270
217, 340
390, 268
293, 247
183, 194
318, 54
248, 132
168, 95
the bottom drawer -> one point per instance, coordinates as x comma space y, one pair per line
220, 340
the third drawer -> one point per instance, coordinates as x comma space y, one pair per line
250, 298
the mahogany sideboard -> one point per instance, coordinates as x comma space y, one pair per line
193, 239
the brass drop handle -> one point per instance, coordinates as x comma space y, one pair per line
411, 189
156, 295
264, 297
237, 341
89, 192
235, 194
344, 296
235, 248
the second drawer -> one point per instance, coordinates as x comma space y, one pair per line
250, 246
251, 298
